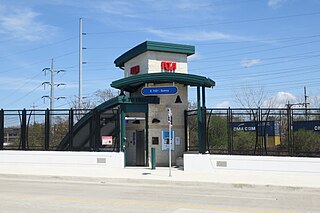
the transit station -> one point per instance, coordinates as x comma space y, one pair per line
155, 83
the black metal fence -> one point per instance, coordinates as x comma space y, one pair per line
36, 129
277, 132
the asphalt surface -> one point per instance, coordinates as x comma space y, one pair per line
27, 193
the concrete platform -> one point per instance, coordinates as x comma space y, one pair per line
161, 174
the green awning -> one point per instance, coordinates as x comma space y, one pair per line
132, 83
153, 46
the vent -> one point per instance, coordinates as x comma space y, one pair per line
101, 160
221, 164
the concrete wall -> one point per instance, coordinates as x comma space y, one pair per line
159, 111
103, 159
212, 163
150, 62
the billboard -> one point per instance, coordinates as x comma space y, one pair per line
271, 128
306, 125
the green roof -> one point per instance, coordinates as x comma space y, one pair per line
153, 46
132, 83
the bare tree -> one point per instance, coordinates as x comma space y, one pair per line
100, 96
103, 95
251, 98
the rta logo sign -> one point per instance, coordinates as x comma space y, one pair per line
135, 70
168, 66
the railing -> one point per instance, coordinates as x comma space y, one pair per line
36, 129
260, 131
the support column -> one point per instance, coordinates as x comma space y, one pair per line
204, 121
1, 129
147, 138
200, 132
122, 128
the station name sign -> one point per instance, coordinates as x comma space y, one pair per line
170, 90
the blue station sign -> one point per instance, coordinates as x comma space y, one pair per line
170, 90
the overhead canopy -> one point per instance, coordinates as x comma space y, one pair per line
153, 46
132, 83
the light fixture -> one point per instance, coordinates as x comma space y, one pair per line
155, 120
178, 100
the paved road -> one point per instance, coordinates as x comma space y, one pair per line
102, 195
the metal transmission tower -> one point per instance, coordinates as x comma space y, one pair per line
34, 113
52, 85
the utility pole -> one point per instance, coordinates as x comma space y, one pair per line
80, 63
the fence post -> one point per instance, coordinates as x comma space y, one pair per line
1, 129
185, 130
23, 136
97, 132
47, 130
290, 150
204, 130
229, 130
291, 133
71, 114
200, 125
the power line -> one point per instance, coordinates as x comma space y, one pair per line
23, 96
37, 48
217, 23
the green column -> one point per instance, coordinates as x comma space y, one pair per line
147, 137
122, 128
1, 129
153, 158
204, 122
200, 133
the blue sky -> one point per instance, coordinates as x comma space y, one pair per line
246, 46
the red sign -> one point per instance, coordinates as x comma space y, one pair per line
168, 66
106, 140
135, 70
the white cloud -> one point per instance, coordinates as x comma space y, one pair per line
274, 4
117, 8
224, 104
285, 96
280, 100
21, 24
249, 62
194, 35
194, 57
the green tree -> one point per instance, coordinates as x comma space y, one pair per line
218, 133
36, 136
244, 142
306, 141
